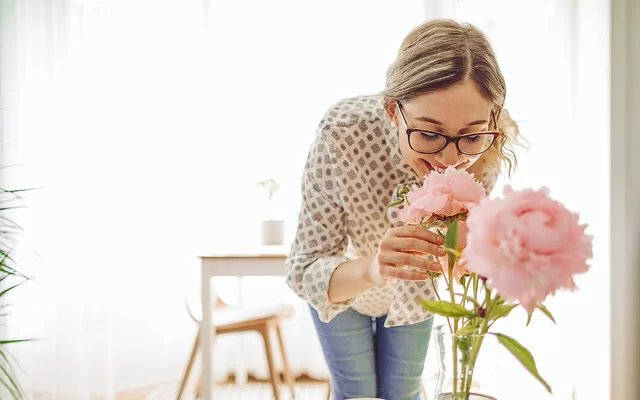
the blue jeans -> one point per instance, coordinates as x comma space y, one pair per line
365, 359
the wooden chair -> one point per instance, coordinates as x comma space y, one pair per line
228, 320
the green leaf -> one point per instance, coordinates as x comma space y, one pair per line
467, 298
523, 355
500, 311
546, 312
12, 391
468, 329
7, 371
446, 308
451, 242
455, 252
465, 349
10, 288
17, 390
451, 239
2, 342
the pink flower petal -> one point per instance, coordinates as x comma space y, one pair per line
528, 245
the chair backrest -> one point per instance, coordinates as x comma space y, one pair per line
196, 313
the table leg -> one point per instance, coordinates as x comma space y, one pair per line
242, 375
207, 338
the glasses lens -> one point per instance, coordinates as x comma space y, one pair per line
426, 142
476, 144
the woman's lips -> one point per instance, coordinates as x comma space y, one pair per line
441, 168
431, 167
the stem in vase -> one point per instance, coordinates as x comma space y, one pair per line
484, 328
466, 385
454, 342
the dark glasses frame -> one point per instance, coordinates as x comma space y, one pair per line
448, 139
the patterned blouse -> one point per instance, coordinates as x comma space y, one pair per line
353, 170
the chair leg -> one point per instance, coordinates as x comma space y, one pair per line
275, 380
329, 390
424, 392
185, 377
287, 372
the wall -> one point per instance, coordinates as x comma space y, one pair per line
625, 192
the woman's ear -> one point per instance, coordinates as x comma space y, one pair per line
390, 108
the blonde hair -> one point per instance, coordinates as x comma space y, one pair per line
442, 52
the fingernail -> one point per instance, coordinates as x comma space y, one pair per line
442, 251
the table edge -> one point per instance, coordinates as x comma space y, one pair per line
242, 256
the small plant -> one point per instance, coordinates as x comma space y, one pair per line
9, 274
270, 185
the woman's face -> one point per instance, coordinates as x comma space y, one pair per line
457, 110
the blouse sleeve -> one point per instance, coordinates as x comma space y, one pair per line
321, 238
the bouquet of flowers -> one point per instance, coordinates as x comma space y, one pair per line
502, 253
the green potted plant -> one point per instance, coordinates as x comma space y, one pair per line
10, 278
272, 226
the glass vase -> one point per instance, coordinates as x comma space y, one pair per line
466, 365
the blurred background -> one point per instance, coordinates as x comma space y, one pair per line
146, 125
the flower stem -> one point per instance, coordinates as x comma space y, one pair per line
446, 281
484, 328
475, 286
454, 344
454, 341
464, 297
438, 296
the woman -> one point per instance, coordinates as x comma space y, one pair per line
442, 106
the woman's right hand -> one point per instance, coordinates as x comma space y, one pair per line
406, 246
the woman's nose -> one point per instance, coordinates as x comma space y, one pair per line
450, 155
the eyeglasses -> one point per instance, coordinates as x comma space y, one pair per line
428, 142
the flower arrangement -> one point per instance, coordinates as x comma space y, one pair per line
502, 253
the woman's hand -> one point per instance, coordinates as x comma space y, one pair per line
405, 246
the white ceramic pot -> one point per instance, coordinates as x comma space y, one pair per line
273, 233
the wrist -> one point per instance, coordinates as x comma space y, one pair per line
372, 274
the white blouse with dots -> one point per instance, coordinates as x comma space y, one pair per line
353, 170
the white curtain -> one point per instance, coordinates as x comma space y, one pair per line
147, 133
110, 104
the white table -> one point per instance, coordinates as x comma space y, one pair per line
257, 261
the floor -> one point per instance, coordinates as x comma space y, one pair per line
306, 388
249, 391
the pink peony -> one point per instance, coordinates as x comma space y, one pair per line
527, 245
444, 194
